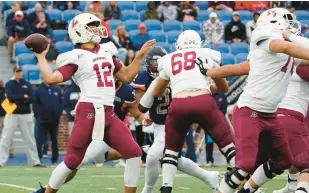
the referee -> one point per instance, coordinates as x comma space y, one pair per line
20, 92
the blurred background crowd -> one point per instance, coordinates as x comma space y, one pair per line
42, 116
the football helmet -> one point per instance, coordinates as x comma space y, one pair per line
188, 39
280, 17
81, 29
151, 60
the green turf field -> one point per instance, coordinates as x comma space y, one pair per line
100, 180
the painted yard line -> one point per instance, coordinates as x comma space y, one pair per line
17, 186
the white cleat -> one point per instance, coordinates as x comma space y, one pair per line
213, 181
289, 188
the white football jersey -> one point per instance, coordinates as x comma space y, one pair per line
180, 69
270, 73
94, 75
297, 95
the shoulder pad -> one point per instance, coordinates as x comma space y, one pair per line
110, 46
67, 58
142, 78
266, 32
162, 61
212, 54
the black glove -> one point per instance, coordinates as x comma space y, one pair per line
202, 68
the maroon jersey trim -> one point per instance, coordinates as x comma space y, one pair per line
117, 63
67, 71
303, 72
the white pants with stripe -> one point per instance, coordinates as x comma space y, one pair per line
25, 123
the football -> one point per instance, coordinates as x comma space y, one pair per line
36, 42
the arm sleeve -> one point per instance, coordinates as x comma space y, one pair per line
147, 100
67, 71
12, 97
303, 72
117, 63
262, 36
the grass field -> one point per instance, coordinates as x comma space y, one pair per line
101, 180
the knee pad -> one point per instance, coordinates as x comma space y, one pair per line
170, 159
234, 177
271, 171
229, 152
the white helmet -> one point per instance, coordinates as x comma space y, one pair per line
80, 32
282, 18
188, 39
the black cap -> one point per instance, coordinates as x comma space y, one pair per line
256, 14
17, 69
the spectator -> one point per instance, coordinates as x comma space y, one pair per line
251, 25
214, 6
18, 30
151, 12
252, 6
52, 53
48, 106
20, 92
41, 25
187, 12
167, 11
235, 31
70, 98
142, 37
209, 151
290, 7
64, 5
16, 6
35, 15
112, 11
213, 30
121, 39
95, 7
129, 58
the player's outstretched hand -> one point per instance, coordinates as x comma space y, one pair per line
146, 47
42, 54
204, 64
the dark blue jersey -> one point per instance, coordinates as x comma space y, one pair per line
124, 98
158, 110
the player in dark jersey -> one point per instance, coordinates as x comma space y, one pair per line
158, 108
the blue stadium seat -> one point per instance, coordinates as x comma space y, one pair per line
31, 4
301, 15
31, 72
227, 59
159, 36
142, 15
113, 24
128, 14
165, 45
134, 35
191, 25
223, 48
131, 24
54, 14
173, 47
69, 14
225, 22
305, 23
29, 11
172, 36
125, 5
203, 5
306, 34
170, 25
202, 16
245, 15
237, 48
202, 35
141, 5
59, 35
224, 15
82, 6
27, 58
153, 24
20, 48
241, 57
63, 46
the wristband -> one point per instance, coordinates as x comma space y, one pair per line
289, 37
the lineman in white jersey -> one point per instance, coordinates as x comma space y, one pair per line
270, 69
93, 68
192, 102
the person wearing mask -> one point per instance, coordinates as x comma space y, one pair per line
213, 30
121, 39
186, 12
20, 92
48, 104
151, 12
129, 58
167, 11
235, 31
35, 15
94, 7
142, 37
112, 11
18, 30
251, 25
41, 25
70, 98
